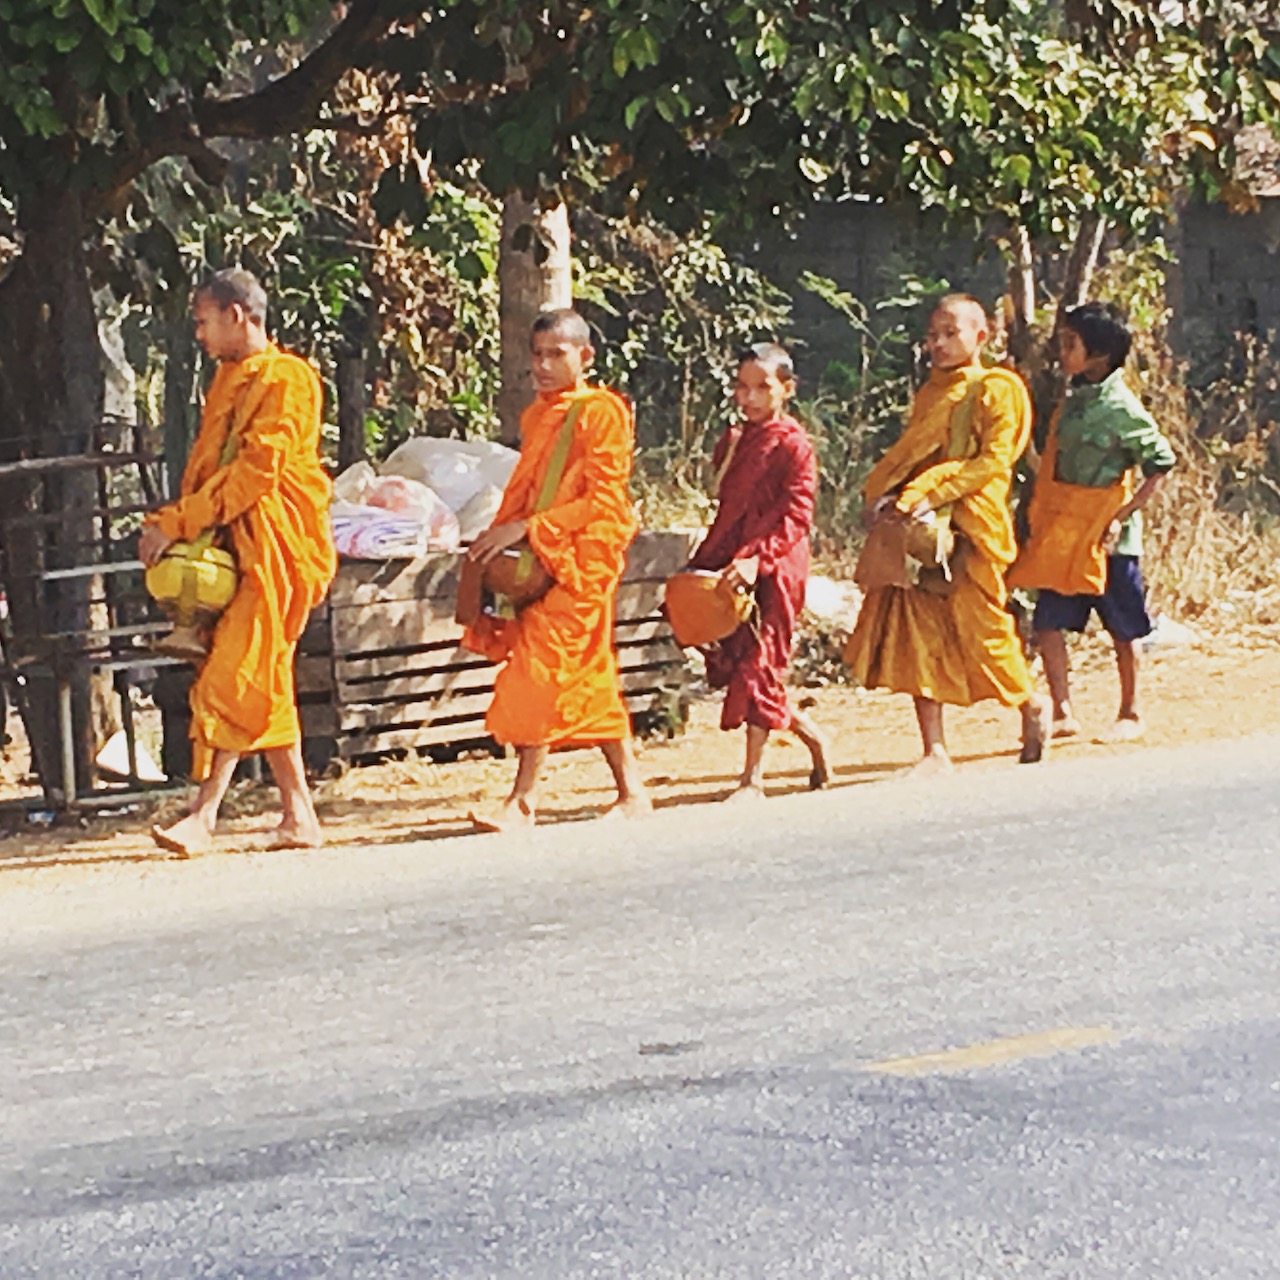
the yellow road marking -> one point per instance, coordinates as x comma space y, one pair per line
995, 1053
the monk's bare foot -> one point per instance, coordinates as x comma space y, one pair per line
290, 835
745, 793
628, 808
1066, 727
932, 764
1037, 730
513, 816
186, 838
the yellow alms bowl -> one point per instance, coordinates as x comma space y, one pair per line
187, 579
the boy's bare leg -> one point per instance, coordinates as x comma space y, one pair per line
932, 738
1128, 726
633, 800
194, 833
299, 826
813, 738
520, 807
1128, 656
1057, 672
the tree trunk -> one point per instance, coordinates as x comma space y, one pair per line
179, 425
534, 274
51, 394
1022, 290
350, 375
1082, 262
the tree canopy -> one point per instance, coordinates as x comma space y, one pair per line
669, 107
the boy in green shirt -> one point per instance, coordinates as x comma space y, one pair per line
1086, 531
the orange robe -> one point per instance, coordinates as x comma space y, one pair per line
559, 685
273, 497
961, 648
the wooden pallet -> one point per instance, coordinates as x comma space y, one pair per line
379, 667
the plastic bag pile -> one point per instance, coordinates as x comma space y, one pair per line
430, 495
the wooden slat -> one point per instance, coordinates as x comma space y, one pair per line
471, 698
397, 624
659, 555
378, 582
464, 730
319, 720
420, 664
412, 698
437, 668
313, 674
435, 578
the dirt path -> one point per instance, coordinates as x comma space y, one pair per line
1218, 688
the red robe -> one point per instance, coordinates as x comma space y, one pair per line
766, 510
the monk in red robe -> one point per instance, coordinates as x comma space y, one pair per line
559, 684
272, 501
767, 481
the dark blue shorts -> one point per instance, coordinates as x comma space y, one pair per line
1122, 607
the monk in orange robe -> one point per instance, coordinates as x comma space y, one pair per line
959, 648
272, 500
559, 683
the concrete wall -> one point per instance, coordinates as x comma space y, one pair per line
1228, 276
1226, 281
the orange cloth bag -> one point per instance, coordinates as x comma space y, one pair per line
1067, 523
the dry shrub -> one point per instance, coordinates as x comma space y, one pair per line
1212, 549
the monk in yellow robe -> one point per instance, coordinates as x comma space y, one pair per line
959, 648
559, 683
272, 500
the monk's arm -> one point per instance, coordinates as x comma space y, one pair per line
288, 409
1006, 428
608, 442
897, 459
794, 511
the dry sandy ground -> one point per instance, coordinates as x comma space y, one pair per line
1215, 689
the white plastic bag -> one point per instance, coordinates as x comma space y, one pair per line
413, 500
353, 484
456, 470
478, 514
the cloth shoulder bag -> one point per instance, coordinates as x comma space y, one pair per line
516, 578
913, 553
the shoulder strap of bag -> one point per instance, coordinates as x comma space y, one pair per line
231, 445
961, 440
559, 456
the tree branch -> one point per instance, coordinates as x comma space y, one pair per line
292, 103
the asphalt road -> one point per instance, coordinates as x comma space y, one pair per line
1013, 1023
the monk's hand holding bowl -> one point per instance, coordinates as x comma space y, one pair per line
742, 574
496, 539
152, 545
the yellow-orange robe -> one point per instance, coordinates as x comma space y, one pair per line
273, 497
559, 685
961, 648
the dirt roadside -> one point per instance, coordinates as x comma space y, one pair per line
1221, 687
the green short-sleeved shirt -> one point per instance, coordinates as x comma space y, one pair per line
1103, 430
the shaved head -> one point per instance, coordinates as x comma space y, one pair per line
957, 331
566, 323
771, 355
965, 304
